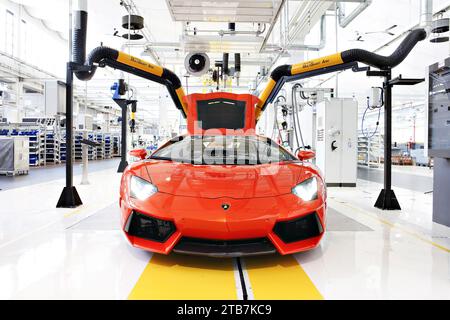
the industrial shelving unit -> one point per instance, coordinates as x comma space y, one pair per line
107, 146
116, 145
62, 148
100, 150
92, 151
78, 147
363, 150
51, 144
370, 150
47, 142
43, 137
36, 149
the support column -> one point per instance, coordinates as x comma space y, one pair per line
387, 199
123, 104
69, 197
123, 154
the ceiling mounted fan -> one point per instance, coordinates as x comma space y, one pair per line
385, 31
358, 37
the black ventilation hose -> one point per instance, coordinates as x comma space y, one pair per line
237, 62
172, 78
95, 57
79, 37
225, 58
385, 62
119, 60
334, 62
79, 48
354, 55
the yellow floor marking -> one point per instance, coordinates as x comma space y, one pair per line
181, 277
71, 213
394, 226
281, 278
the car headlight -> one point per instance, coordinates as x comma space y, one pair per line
141, 189
307, 190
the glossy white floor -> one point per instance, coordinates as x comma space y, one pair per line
49, 253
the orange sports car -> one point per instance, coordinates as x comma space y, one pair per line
223, 196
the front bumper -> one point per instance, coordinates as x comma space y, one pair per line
248, 227
224, 248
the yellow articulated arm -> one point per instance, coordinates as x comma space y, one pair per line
329, 63
104, 56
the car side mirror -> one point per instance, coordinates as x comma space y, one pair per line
306, 155
139, 153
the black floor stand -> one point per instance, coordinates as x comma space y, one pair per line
69, 197
123, 104
122, 165
387, 199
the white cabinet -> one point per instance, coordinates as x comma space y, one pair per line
336, 146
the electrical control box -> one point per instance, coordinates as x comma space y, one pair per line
438, 140
439, 110
376, 97
336, 141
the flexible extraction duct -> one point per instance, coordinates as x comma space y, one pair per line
345, 57
237, 62
226, 70
237, 66
105, 56
79, 31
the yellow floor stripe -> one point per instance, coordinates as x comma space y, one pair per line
281, 278
180, 277
73, 212
395, 226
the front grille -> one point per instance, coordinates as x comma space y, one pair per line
150, 228
224, 248
303, 228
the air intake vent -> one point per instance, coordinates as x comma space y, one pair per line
146, 227
303, 228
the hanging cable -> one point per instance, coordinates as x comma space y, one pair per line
275, 124
302, 93
294, 103
297, 127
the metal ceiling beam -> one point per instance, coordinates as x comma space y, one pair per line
272, 25
345, 19
223, 11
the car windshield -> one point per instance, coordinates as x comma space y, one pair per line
222, 150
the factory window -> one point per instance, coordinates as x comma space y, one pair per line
23, 40
9, 36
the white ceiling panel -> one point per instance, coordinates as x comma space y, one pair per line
223, 11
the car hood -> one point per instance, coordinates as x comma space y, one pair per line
216, 181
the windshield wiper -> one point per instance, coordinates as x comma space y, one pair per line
161, 158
